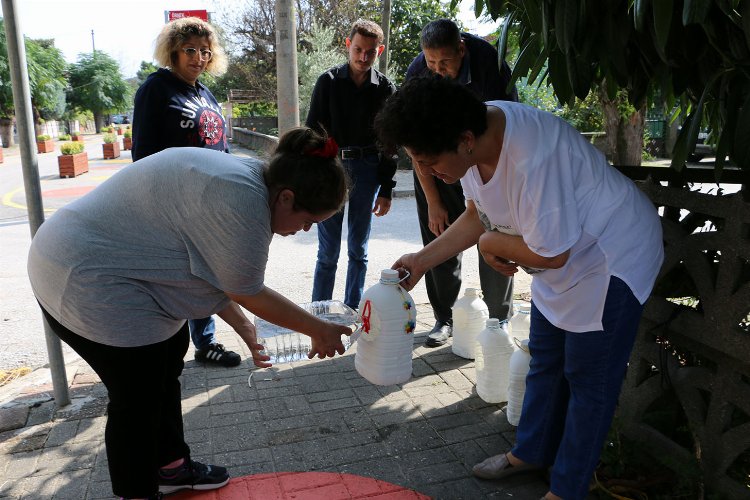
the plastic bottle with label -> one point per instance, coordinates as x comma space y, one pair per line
493, 353
520, 322
469, 316
519, 368
388, 317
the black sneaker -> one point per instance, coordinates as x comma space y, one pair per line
215, 353
192, 475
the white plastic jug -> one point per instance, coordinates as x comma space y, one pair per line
520, 322
494, 350
388, 317
519, 368
469, 317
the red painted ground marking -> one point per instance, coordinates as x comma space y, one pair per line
67, 192
304, 486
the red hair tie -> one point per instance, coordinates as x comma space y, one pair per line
329, 150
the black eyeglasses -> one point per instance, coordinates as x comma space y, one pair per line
205, 54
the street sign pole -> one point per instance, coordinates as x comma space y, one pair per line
24, 122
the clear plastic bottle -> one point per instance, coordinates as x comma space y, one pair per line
520, 322
469, 316
493, 353
519, 368
388, 317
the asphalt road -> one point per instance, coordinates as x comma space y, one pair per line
289, 270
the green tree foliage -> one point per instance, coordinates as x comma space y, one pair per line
407, 20
695, 52
47, 81
321, 56
97, 85
146, 69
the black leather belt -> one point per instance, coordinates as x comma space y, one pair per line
356, 152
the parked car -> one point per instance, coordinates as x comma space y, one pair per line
120, 119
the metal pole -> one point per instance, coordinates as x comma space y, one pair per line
286, 66
25, 123
386, 26
93, 46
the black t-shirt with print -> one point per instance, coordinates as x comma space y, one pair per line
170, 113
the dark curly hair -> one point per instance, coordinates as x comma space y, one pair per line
319, 184
428, 115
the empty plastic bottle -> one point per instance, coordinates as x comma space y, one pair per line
493, 353
520, 322
519, 368
388, 316
469, 317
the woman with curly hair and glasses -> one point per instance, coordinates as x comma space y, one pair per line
184, 233
174, 109
541, 197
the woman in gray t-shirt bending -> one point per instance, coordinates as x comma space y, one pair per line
181, 234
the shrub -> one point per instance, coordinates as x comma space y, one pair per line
71, 148
127, 133
63, 137
75, 132
109, 138
108, 129
43, 137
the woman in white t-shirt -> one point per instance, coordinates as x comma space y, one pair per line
540, 197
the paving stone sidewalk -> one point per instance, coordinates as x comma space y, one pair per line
315, 415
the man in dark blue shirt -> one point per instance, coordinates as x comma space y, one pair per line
344, 103
474, 63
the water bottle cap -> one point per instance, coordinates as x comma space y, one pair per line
473, 292
493, 323
389, 277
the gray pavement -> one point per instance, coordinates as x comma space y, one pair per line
317, 415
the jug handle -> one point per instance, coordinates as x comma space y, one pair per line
406, 275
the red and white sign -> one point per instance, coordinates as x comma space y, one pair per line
171, 15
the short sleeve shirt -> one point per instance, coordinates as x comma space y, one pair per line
160, 242
557, 191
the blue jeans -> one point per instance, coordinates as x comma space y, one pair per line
365, 184
572, 389
202, 331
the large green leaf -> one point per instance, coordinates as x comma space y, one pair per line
558, 75
662, 21
526, 58
534, 14
741, 149
640, 10
502, 48
745, 10
566, 21
695, 11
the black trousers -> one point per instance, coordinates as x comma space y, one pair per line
443, 282
144, 415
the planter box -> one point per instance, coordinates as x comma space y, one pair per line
73, 165
111, 150
77, 138
1, 154
127, 143
119, 131
45, 146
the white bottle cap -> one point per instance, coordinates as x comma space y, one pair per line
389, 277
493, 323
473, 292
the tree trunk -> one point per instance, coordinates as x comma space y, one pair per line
6, 131
98, 121
624, 133
37, 121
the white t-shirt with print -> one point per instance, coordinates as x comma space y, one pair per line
558, 192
